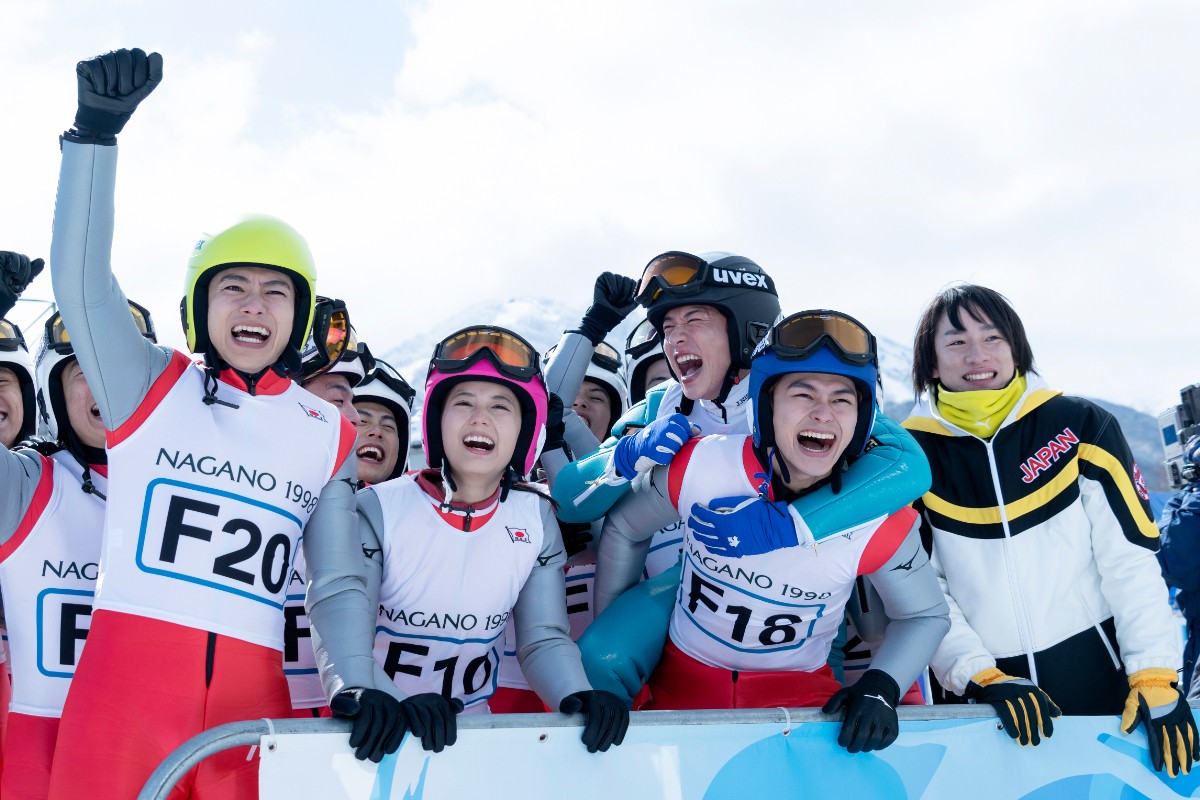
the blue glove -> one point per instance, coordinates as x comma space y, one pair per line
743, 526
653, 446
1192, 453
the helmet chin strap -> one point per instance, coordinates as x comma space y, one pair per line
506, 483
448, 487
213, 364
290, 364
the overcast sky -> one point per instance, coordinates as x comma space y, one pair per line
441, 153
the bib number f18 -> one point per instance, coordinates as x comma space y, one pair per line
742, 620
217, 539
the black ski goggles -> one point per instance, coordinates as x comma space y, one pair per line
674, 272
59, 340
11, 339
799, 335
387, 375
508, 352
642, 340
604, 356
332, 337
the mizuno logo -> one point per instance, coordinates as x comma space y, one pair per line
879, 698
907, 565
1045, 456
369, 552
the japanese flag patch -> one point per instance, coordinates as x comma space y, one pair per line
1139, 483
518, 535
312, 413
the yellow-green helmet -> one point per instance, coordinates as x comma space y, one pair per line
255, 241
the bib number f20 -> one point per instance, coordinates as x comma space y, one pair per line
219, 540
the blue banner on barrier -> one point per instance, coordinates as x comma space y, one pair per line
1088, 757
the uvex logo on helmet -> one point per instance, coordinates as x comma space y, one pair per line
735, 277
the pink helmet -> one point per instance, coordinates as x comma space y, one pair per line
487, 353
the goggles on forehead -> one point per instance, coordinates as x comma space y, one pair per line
332, 337
59, 340
386, 374
507, 351
799, 335
604, 355
642, 340
674, 272
11, 339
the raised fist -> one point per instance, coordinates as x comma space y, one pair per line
612, 300
110, 87
16, 273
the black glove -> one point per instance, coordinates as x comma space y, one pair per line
16, 273
607, 717
575, 536
612, 300
38, 444
1025, 711
870, 722
379, 722
431, 717
110, 88
556, 430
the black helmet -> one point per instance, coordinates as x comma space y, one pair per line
733, 284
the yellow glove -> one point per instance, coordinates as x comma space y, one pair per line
1025, 711
1170, 728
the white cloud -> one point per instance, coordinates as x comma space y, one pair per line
867, 154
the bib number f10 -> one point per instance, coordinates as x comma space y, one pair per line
217, 539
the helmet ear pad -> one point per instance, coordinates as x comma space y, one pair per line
53, 402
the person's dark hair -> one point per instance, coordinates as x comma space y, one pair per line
975, 301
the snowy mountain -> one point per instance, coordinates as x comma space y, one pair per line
542, 322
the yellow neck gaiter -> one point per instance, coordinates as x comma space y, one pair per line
980, 412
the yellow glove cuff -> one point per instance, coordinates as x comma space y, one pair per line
991, 675
1153, 678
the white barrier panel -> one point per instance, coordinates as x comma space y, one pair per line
1088, 758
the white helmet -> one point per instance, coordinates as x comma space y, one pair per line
642, 348
384, 385
55, 352
604, 368
14, 355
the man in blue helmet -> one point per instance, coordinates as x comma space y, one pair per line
754, 620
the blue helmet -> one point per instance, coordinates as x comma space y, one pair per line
821, 341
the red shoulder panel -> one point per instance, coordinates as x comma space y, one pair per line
347, 435
886, 540
158, 390
678, 467
41, 496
